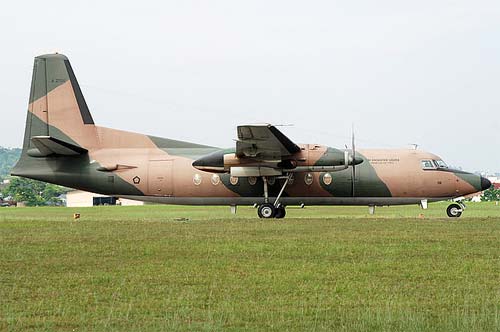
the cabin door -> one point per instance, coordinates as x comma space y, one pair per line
160, 178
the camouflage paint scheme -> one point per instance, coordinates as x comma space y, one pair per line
148, 168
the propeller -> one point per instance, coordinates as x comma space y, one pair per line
353, 162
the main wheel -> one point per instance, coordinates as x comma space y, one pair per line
266, 211
454, 211
280, 212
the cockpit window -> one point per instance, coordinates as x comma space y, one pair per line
427, 164
440, 164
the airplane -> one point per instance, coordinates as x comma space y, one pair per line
266, 169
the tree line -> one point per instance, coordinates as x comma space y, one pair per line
30, 192
8, 158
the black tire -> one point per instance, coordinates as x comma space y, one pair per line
454, 211
266, 211
280, 212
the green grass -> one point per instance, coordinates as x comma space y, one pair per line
167, 268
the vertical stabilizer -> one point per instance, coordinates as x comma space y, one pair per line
57, 108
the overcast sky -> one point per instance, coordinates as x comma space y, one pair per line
425, 72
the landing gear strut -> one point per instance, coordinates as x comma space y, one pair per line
454, 210
273, 210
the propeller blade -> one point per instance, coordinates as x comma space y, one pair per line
353, 144
353, 162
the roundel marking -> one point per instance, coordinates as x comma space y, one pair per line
136, 180
252, 180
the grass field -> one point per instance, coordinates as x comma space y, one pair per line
167, 268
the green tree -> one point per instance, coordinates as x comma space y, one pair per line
8, 158
32, 192
491, 194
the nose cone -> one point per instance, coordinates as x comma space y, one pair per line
485, 183
471, 183
213, 162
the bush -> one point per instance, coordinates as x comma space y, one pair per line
491, 194
32, 192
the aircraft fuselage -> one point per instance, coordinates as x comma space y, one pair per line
62, 145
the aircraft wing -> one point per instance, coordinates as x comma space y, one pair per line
263, 142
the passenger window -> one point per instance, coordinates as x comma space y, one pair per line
427, 164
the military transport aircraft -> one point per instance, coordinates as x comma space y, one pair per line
266, 169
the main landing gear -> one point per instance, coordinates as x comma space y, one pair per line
267, 210
454, 210
273, 210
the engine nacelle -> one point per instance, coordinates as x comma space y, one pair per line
318, 159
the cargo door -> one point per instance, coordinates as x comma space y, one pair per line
160, 178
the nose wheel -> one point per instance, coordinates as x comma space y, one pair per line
454, 211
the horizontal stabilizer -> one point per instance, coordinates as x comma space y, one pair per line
47, 146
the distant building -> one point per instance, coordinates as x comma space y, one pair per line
79, 198
7, 201
495, 181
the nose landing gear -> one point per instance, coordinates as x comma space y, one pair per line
454, 210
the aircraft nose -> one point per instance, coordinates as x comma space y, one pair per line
485, 183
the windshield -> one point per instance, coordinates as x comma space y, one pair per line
427, 164
440, 164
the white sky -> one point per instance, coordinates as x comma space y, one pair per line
425, 72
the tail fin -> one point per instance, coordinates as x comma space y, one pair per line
57, 109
